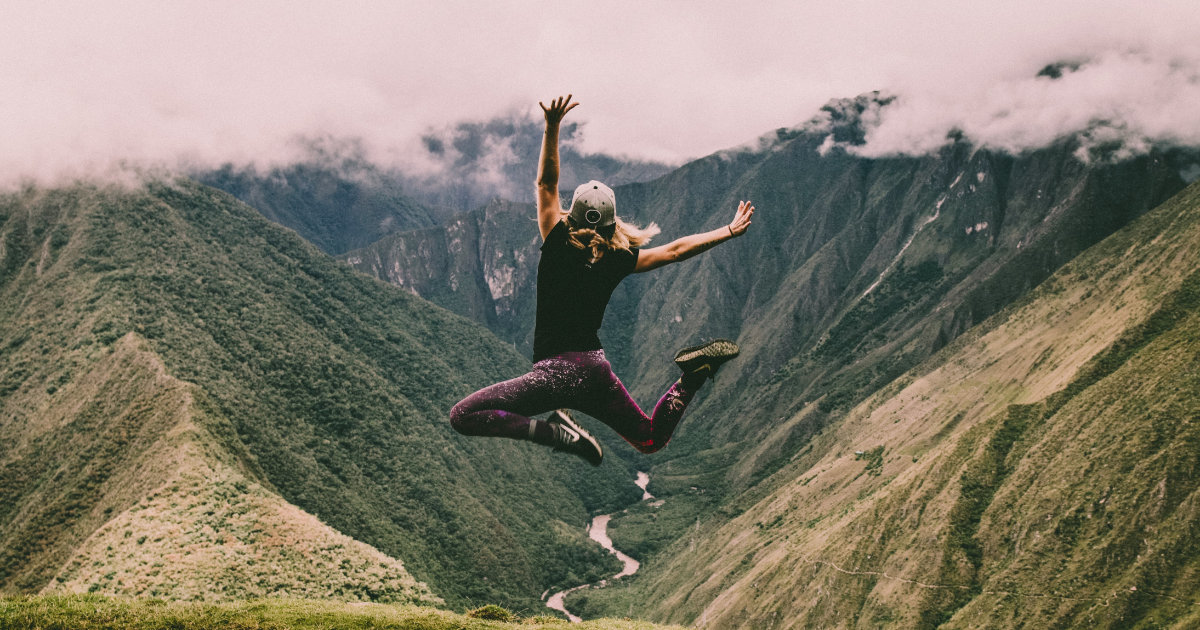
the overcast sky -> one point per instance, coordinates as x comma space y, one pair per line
85, 83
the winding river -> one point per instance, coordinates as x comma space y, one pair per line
598, 531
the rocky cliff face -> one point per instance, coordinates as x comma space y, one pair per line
481, 264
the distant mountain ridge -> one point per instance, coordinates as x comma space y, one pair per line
337, 198
336, 202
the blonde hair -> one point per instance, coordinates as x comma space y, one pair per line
625, 235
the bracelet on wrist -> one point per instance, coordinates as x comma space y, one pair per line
730, 230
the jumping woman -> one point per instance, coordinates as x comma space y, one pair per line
586, 252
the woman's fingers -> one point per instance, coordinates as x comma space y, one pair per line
745, 209
741, 220
558, 107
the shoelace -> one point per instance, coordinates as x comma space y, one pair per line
564, 436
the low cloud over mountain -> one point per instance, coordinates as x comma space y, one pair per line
1120, 101
137, 82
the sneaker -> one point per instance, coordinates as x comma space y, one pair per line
706, 358
569, 437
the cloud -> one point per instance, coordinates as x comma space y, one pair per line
468, 163
1120, 101
84, 85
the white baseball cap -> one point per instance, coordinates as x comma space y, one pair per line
594, 205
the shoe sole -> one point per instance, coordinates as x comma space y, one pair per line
561, 417
722, 349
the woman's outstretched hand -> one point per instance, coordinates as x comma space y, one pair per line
684, 248
558, 109
741, 220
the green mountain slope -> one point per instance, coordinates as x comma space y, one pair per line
336, 202
1041, 471
90, 611
316, 383
206, 531
122, 453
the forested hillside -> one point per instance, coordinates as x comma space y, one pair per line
281, 376
336, 202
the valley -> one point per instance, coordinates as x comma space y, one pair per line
965, 395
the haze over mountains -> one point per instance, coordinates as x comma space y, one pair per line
143, 82
340, 200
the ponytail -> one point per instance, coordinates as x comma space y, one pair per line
625, 235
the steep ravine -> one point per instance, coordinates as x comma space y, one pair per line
598, 531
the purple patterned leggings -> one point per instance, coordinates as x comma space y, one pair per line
577, 380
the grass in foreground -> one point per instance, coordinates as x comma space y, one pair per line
93, 611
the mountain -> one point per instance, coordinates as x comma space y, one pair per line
182, 379
337, 198
481, 265
1041, 471
472, 162
856, 270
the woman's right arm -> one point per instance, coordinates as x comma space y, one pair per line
549, 207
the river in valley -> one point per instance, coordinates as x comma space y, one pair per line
598, 531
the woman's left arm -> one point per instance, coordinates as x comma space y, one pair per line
688, 246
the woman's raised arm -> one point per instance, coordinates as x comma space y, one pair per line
549, 207
688, 246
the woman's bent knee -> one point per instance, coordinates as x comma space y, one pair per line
647, 447
460, 418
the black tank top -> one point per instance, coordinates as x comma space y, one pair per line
572, 293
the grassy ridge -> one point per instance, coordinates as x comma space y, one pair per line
329, 388
90, 611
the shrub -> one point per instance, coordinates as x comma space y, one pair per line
492, 612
